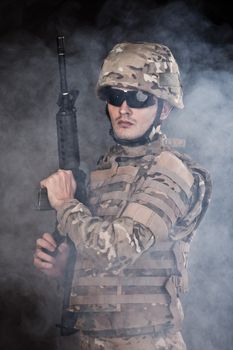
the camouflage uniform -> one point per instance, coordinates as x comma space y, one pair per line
133, 239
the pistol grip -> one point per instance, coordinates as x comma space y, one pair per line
58, 238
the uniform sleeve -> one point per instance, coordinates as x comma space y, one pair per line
111, 245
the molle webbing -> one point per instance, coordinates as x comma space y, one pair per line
115, 174
127, 332
121, 280
107, 202
121, 299
151, 186
146, 198
175, 178
147, 217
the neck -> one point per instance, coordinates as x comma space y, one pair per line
158, 143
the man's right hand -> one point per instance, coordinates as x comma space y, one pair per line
51, 266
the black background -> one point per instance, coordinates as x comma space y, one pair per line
32, 15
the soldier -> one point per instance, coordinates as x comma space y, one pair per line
145, 203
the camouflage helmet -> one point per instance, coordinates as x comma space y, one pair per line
149, 67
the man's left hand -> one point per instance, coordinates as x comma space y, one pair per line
61, 187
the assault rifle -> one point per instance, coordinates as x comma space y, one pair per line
67, 132
69, 159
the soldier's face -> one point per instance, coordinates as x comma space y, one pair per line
130, 123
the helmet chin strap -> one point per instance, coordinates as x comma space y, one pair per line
147, 136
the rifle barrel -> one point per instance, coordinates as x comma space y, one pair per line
62, 64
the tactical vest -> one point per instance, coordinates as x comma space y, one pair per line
154, 186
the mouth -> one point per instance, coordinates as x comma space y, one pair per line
125, 124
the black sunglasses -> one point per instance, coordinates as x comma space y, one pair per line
134, 98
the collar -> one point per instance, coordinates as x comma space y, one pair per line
155, 146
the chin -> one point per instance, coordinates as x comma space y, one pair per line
125, 134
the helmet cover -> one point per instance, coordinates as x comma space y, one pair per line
149, 67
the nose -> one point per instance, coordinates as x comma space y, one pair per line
124, 109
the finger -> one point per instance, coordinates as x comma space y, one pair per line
42, 243
65, 171
49, 238
44, 256
43, 183
74, 184
40, 264
63, 248
61, 172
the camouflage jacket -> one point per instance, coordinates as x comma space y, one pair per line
133, 239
